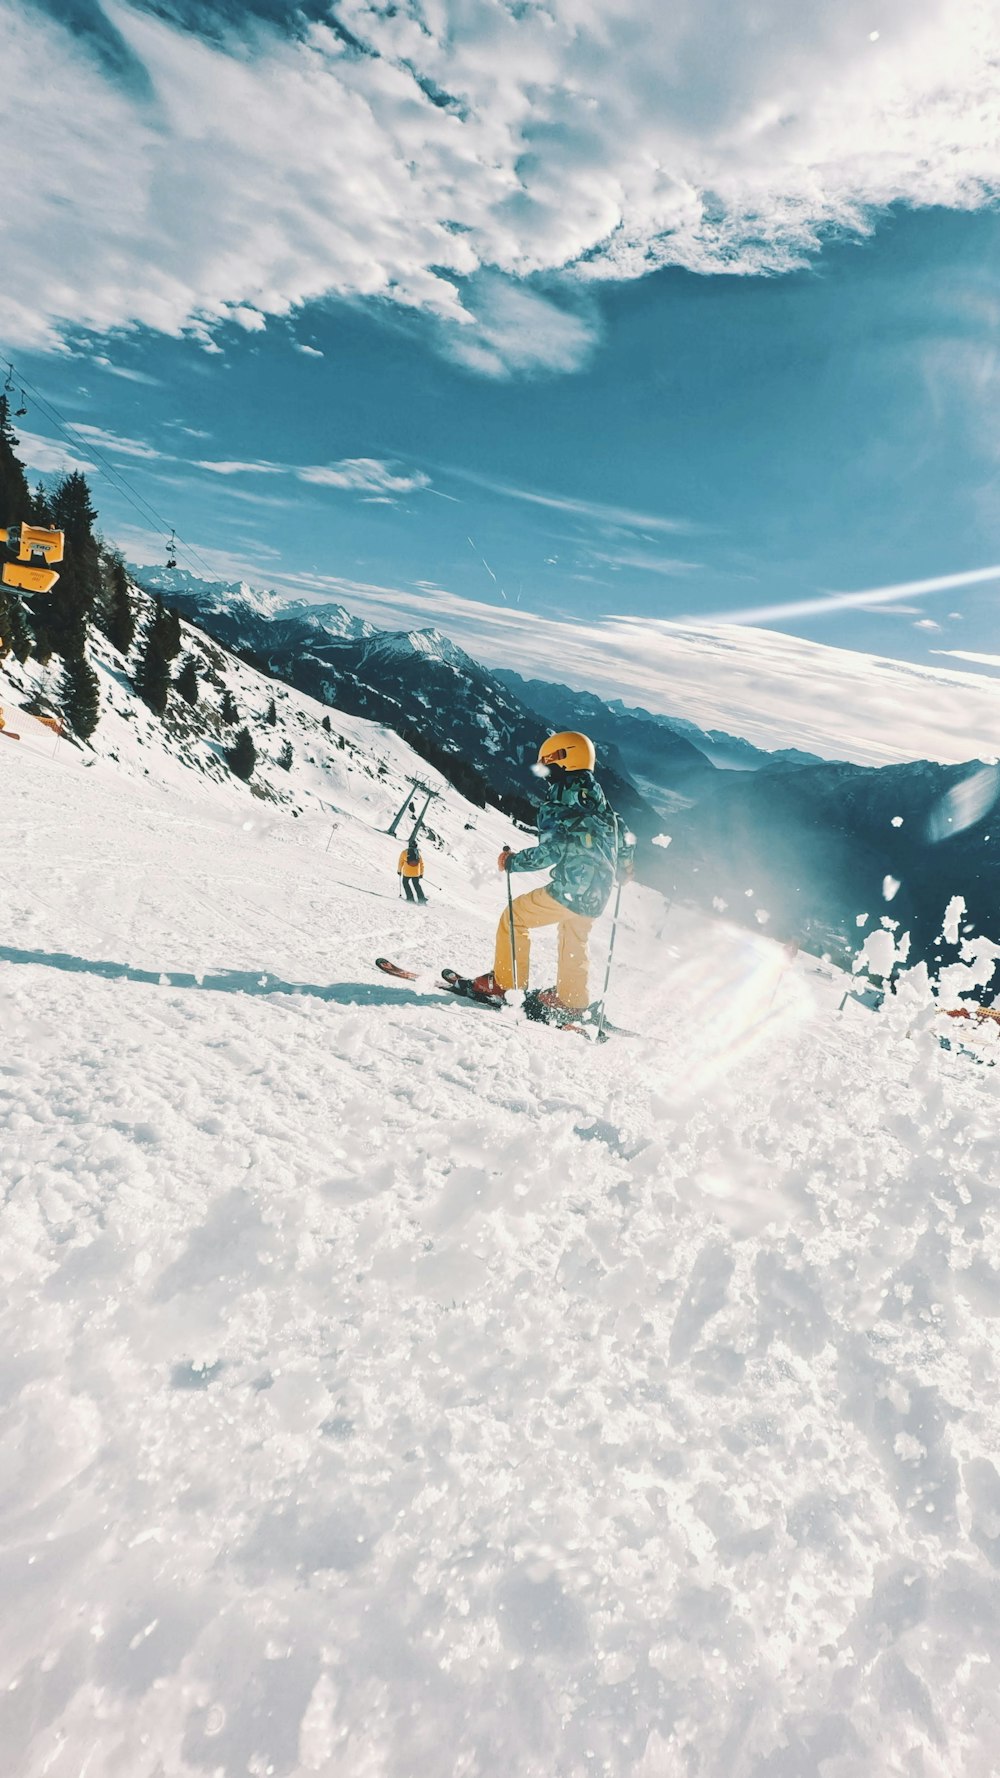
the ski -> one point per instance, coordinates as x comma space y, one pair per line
593, 1029
405, 975
980, 1017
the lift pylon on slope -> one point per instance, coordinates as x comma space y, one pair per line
416, 786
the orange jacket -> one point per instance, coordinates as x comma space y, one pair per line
405, 869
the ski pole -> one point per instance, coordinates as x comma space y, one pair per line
611, 952
510, 916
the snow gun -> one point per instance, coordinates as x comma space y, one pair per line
31, 551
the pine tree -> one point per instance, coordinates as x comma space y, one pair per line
227, 709
187, 679
152, 678
60, 618
15, 506
117, 617
241, 757
326, 725
41, 506
15, 498
285, 757
171, 631
15, 637
272, 714
80, 695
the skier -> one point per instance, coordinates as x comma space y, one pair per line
578, 837
410, 869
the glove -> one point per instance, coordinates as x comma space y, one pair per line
503, 862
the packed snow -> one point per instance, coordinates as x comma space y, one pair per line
398, 1389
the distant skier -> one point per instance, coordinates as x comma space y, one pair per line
410, 870
578, 838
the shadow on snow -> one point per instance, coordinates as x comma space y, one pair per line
230, 981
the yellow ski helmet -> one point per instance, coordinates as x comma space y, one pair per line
573, 752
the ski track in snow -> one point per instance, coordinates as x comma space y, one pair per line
393, 1390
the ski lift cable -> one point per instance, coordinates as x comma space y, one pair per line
137, 501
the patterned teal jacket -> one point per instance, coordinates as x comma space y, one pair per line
578, 837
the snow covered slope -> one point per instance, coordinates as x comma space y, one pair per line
394, 1389
353, 766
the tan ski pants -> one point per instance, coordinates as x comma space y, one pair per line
539, 908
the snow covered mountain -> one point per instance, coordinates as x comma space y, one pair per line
423, 645
246, 617
180, 588
646, 741
397, 1388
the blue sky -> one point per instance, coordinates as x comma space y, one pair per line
681, 325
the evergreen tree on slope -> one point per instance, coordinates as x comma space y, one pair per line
152, 678
80, 695
60, 618
116, 616
187, 680
15, 497
16, 505
241, 757
15, 636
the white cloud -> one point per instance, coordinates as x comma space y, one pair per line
369, 476
633, 558
888, 610
592, 512
471, 149
236, 468
364, 475
926, 623
114, 444
126, 373
251, 320
819, 605
978, 660
513, 329
49, 456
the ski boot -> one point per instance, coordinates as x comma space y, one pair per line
484, 988
545, 1005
